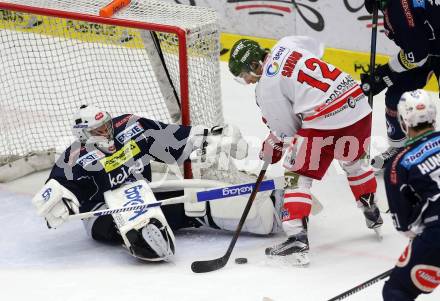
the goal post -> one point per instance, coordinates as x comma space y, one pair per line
156, 59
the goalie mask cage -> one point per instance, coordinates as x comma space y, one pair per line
156, 59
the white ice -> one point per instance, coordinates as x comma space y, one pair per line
64, 264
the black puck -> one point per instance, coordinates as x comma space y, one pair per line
240, 260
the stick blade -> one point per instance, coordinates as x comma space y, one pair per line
208, 265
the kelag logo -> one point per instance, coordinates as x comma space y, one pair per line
233, 191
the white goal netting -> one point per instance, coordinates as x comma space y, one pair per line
58, 54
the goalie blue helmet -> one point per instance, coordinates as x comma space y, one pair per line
94, 126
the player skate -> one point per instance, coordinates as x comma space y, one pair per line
371, 212
295, 250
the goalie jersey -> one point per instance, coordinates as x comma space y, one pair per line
88, 172
412, 182
298, 90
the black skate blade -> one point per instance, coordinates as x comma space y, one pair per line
208, 265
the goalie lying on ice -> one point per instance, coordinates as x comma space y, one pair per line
108, 166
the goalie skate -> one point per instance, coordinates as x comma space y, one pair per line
295, 250
157, 238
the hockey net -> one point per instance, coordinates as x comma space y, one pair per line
155, 59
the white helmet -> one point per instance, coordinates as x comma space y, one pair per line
414, 108
94, 126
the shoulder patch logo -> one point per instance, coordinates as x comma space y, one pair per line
425, 277
419, 3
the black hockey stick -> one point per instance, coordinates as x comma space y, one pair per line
373, 50
218, 263
372, 63
361, 286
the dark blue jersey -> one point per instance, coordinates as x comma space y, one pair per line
88, 172
414, 25
412, 182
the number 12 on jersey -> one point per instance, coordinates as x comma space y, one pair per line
312, 64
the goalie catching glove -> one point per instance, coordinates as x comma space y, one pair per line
55, 203
208, 143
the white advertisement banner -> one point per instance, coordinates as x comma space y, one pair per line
341, 24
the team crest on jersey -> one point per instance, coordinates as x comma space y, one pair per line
351, 101
425, 277
90, 157
121, 156
130, 132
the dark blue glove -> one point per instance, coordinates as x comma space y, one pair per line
383, 78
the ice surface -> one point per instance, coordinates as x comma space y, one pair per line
64, 264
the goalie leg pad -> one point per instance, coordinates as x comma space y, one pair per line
227, 213
102, 228
145, 233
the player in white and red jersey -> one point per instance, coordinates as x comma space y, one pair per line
301, 95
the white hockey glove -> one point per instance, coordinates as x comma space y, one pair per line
55, 203
226, 139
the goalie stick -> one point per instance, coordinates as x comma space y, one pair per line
218, 263
362, 286
201, 196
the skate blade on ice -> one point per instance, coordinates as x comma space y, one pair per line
296, 259
378, 232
